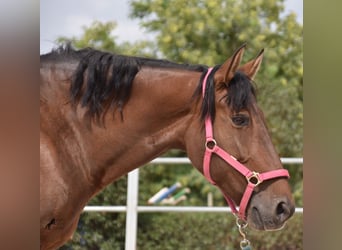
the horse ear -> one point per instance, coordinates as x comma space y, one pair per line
252, 67
228, 68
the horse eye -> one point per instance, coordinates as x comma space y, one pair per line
240, 120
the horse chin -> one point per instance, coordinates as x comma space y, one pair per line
258, 222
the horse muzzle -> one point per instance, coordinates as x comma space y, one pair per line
269, 215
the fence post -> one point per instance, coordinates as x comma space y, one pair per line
132, 210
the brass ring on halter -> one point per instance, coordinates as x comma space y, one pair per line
254, 179
210, 144
245, 244
240, 222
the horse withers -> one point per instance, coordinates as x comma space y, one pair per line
103, 115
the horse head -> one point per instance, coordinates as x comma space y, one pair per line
237, 130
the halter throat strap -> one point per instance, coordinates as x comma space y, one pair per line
253, 178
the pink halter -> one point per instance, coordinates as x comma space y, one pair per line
253, 178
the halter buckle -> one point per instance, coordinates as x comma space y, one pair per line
210, 144
254, 179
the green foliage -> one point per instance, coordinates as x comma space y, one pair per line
96, 36
210, 231
206, 32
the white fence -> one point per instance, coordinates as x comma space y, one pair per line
132, 209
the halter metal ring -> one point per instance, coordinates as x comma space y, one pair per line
210, 144
245, 244
254, 178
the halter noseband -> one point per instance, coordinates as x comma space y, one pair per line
253, 178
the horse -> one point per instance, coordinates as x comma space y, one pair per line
103, 115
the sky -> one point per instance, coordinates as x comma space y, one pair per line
67, 17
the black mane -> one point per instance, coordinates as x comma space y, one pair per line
104, 80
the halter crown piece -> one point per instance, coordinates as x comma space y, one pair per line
253, 178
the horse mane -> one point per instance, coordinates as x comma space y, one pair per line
103, 80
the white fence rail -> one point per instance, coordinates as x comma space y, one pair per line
132, 208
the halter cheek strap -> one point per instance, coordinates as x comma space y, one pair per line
253, 178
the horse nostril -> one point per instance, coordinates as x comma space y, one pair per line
284, 210
281, 208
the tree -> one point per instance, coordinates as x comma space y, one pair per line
99, 36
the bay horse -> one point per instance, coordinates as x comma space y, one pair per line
103, 115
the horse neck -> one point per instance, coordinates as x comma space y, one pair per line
153, 121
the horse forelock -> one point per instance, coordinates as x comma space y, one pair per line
240, 93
